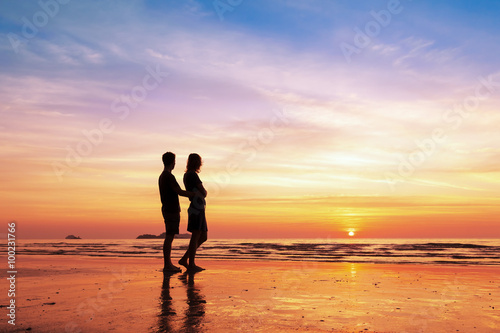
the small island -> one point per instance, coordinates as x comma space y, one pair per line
161, 236
73, 237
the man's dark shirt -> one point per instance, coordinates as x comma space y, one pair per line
169, 198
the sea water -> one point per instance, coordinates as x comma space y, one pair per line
415, 251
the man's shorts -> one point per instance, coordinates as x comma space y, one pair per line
172, 222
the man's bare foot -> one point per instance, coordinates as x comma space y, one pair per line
184, 263
171, 269
195, 268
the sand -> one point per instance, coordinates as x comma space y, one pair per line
83, 294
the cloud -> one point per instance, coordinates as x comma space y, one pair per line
53, 114
346, 125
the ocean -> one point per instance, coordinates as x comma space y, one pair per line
399, 251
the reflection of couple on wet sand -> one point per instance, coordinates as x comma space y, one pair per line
193, 315
197, 223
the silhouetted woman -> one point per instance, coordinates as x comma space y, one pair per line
197, 222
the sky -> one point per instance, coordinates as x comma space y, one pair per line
313, 118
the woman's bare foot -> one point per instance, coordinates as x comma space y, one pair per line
194, 268
184, 263
171, 269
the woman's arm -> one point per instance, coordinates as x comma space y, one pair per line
202, 189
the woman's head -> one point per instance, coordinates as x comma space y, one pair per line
194, 163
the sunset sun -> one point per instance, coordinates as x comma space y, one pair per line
351, 233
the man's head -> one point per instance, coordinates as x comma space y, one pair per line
168, 159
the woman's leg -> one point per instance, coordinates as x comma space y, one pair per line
193, 245
203, 238
184, 260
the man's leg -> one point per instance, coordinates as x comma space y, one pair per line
171, 229
167, 250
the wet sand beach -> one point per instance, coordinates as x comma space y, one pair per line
82, 294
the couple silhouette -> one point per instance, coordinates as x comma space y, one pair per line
197, 222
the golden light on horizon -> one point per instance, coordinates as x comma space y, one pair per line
351, 233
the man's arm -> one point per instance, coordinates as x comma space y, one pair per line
177, 189
183, 193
